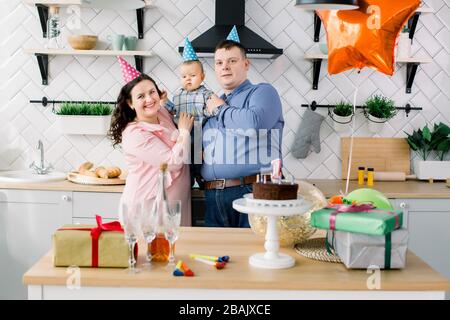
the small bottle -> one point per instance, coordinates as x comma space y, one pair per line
159, 248
370, 173
54, 29
361, 175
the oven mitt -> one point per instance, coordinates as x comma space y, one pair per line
307, 134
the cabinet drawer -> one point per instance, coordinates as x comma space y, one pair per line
435, 205
89, 204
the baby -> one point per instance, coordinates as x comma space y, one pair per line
192, 98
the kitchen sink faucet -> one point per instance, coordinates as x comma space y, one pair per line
42, 169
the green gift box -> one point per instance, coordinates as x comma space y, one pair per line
370, 221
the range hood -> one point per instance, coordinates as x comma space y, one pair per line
228, 14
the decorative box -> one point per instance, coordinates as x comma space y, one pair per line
101, 246
361, 251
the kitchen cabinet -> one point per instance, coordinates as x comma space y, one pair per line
428, 223
28, 219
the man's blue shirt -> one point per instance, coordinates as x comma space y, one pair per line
246, 135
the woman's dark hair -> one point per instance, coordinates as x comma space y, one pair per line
123, 114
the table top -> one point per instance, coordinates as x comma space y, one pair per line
240, 244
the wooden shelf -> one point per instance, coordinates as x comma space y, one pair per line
42, 57
70, 52
312, 56
411, 68
43, 5
148, 3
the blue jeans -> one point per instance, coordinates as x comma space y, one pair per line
219, 207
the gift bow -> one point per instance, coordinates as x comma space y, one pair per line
95, 235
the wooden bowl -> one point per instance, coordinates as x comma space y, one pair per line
82, 42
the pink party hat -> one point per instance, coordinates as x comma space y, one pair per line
128, 71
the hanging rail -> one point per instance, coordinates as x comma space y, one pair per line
314, 106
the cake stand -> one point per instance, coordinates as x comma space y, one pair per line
272, 258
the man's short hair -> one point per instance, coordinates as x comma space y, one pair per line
229, 44
188, 63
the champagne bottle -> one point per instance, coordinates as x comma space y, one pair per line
159, 248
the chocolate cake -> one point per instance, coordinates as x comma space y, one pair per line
275, 190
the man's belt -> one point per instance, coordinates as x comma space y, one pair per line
227, 183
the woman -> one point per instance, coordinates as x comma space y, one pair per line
148, 138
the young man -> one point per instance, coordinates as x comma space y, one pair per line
243, 137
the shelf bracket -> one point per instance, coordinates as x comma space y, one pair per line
139, 63
43, 67
140, 22
411, 69
43, 17
317, 26
316, 72
412, 24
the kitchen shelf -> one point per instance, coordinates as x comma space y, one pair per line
42, 57
412, 23
43, 5
412, 64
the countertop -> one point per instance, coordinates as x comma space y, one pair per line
408, 189
239, 244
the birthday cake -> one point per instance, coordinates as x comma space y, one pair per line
275, 190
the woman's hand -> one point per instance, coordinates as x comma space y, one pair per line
185, 122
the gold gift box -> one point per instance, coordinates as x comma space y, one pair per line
74, 248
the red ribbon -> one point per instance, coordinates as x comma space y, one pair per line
343, 208
95, 235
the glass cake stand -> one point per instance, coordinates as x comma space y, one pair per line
272, 258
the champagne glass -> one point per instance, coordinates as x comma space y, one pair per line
131, 214
149, 223
172, 226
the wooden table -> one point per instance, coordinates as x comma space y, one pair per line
308, 279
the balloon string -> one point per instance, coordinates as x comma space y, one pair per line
351, 140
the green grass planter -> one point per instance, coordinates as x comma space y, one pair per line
84, 118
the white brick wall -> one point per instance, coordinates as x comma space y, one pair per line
166, 25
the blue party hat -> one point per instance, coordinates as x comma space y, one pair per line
234, 35
188, 52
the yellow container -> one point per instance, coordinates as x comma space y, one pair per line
361, 175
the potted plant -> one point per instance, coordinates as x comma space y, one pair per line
424, 141
378, 110
84, 118
342, 116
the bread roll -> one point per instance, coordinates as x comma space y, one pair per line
85, 167
113, 172
101, 172
89, 173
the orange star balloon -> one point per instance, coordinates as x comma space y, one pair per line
365, 37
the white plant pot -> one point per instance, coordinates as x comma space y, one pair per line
341, 124
94, 125
438, 170
376, 124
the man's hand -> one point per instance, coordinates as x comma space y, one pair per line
213, 103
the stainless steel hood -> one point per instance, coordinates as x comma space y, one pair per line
228, 14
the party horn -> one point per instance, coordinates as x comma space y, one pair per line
218, 265
210, 258
177, 272
187, 272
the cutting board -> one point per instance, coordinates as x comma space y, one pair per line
76, 177
382, 154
